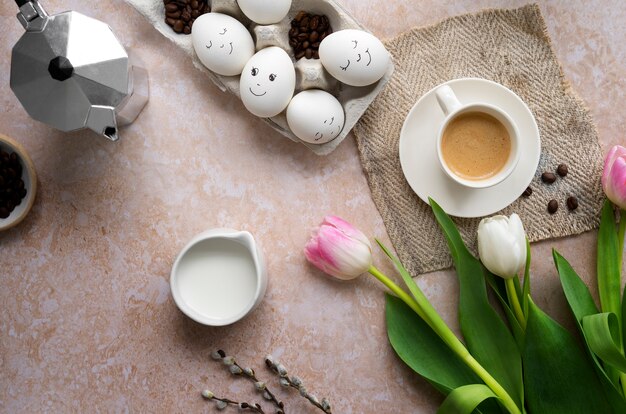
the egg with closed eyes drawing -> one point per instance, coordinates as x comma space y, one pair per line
267, 82
354, 57
315, 116
222, 43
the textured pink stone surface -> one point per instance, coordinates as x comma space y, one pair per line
87, 321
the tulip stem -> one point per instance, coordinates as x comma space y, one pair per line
620, 252
399, 292
514, 301
620, 237
426, 311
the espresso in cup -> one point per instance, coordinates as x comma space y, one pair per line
475, 146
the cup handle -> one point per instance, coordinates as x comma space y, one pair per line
447, 99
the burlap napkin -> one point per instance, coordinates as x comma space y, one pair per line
510, 47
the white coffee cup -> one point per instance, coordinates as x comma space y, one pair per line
453, 108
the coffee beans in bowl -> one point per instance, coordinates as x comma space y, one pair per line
180, 14
18, 183
12, 190
306, 33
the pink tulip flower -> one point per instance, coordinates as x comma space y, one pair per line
614, 177
339, 249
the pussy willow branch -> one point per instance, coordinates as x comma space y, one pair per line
251, 375
295, 382
208, 395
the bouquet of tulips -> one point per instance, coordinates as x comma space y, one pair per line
524, 361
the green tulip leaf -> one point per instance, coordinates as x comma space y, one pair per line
422, 350
576, 292
558, 376
486, 335
582, 304
624, 316
609, 284
526, 288
603, 336
465, 399
497, 286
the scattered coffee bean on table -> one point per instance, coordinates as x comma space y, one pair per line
306, 33
12, 190
528, 192
553, 206
180, 14
572, 203
562, 170
548, 177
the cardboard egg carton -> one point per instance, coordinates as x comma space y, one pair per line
310, 74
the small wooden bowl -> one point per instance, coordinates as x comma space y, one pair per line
30, 183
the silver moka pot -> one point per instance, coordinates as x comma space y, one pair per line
70, 71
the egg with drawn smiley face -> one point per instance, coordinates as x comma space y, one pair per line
354, 57
267, 82
222, 43
315, 116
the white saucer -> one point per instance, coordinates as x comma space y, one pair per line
418, 153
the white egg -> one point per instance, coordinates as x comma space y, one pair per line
354, 57
267, 82
264, 11
222, 43
315, 116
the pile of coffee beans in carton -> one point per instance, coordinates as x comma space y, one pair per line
306, 33
180, 14
12, 190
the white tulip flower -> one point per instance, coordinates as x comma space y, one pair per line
502, 245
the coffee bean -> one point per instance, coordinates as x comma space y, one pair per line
572, 203
306, 33
314, 23
4, 212
528, 192
195, 5
548, 177
171, 8
553, 206
178, 26
562, 170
